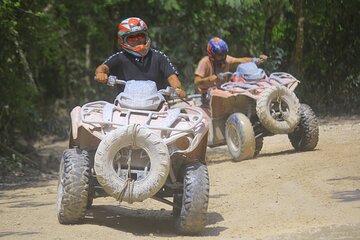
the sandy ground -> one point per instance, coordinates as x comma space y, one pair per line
282, 194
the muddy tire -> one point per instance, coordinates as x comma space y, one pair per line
259, 142
306, 135
239, 135
278, 118
121, 138
73, 186
195, 200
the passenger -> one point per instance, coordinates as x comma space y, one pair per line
217, 61
137, 60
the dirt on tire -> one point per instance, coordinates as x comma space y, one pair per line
281, 194
264, 109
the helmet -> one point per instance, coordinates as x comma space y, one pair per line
216, 46
129, 27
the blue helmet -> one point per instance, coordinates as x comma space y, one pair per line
216, 46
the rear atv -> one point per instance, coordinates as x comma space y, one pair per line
252, 106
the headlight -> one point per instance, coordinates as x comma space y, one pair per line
183, 143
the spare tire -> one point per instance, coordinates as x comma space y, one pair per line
136, 137
278, 110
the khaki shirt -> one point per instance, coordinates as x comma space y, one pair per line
206, 69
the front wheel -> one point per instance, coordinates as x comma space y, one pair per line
306, 135
194, 202
240, 138
73, 186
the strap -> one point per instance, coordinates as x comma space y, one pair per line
129, 182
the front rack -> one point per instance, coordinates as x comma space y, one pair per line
170, 116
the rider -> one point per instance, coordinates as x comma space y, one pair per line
217, 61
137, 60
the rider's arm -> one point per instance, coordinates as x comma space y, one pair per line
168, 69
236, 61
103, 71
175, 83
205, 82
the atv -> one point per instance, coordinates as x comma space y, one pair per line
249, 105
134, 149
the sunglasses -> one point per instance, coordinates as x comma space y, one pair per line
136, 37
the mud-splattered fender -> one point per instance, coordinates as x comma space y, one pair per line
75, 121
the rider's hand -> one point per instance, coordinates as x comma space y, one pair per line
181, 92
101, 77
102, 73
212, 78
262, 58
223, 77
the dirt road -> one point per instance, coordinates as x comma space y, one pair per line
281, 194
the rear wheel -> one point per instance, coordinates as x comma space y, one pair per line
306, 135
194, 201
240, 137
73, 186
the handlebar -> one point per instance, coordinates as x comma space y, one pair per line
221, 76
169, 91
112, 80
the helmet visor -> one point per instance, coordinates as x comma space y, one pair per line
136, 39
219, 57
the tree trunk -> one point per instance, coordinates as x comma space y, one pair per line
299, 45
87, 64
268, 34
273, 11
25, 65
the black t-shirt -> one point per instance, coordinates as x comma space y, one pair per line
154, 66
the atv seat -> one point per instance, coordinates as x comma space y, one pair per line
250, 72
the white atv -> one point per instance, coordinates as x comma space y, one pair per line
135, 149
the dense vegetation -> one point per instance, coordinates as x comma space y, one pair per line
49, 50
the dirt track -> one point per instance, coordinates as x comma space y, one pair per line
281, 194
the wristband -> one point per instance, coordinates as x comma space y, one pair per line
179, 88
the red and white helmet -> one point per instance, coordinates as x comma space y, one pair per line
130, 27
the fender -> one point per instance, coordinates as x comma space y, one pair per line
75, 121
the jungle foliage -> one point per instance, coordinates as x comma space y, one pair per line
49, 51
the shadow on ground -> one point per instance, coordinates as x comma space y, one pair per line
144, 222
349, 195
8, 234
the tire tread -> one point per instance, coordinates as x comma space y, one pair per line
75, 178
